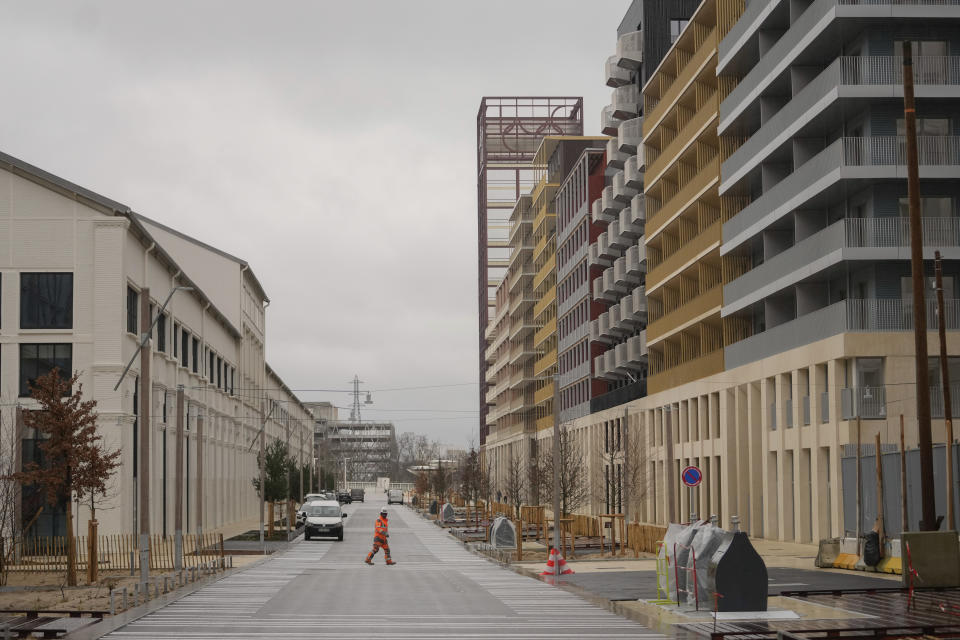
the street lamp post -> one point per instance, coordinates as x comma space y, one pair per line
556, 470
147, 323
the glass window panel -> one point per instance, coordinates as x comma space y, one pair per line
46, 300
132, 305
39, 359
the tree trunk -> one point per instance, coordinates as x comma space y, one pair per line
71, 548
93, 552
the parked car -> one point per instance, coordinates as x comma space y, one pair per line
394, 496
343, 497
356, 495
307, 499
323, 518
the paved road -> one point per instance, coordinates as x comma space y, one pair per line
322, 589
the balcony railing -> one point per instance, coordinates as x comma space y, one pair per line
885, 70
936, 400
895, 232
869, 403
893, 314
892, 151
630, 50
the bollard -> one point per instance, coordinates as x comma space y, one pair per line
113, 604
125, 598
734, 523
136, 595
714, 520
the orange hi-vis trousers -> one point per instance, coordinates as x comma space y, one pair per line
378, 542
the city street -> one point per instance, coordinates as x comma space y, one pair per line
322, 589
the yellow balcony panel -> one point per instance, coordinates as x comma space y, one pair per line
703, 56
544, 273
536, 191
708, 177
540, 246
546, 215
695, 369
545, 332
688, 253
546, 422
686, 314
543, 394
549, 297
707, 114
544, 363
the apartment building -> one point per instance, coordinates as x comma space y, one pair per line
362, 450
777, 241
509, 131
575, 308
74, 272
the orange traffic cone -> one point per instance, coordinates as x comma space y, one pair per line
551, 564
564, 569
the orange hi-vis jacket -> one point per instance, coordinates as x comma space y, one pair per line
380, 529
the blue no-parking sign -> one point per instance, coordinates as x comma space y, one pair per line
692, 476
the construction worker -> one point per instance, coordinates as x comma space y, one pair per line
380, 536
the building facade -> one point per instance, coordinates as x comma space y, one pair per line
509, 131
74, 271
777, 245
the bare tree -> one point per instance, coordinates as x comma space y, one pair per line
516, 482
75, 462
574, 491
537, 480
10, 523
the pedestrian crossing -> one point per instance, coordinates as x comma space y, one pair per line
438, 590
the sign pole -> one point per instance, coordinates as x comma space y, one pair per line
692, 477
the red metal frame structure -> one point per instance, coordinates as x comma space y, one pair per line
509, 130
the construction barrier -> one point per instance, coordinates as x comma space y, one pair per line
844, 553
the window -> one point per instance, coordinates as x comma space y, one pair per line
926, 127
219, 373
46, 300
676, 28
40, 359
133, 301
210, 369
196, 355
162, 333
176, 339
929, 207
184, 345
923, 48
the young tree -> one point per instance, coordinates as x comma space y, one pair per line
275, 471
516, 482
574, 491
75, 462
10, 436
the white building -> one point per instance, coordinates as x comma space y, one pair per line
74, 266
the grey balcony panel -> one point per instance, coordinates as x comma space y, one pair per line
753, 16
626, 102
864, 158
637, 350
893, 314
937, 404
630, 135
617, 326
626, 312
788, 410
812, 327
630, 50
597, 214
866, 77
598, 293
610, 290
618, 242
632, 173
636, 263
621, 191
610, 364
639, 295
608, 124
805, 410
615, 157
620, 358
603, 324
596, 259
603, 246
825, 407
610, 206
598, 369
848, 239
595, 330
638, 208
615, 75
620, 271
627, 228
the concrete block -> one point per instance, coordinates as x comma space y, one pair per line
935, 555
828, 552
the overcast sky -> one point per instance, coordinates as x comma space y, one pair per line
330, 144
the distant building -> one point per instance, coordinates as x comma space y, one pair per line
367, 449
